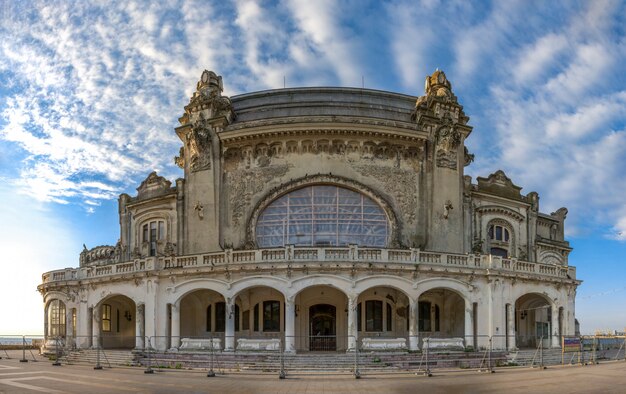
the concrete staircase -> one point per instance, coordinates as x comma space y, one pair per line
108, 357
322, 362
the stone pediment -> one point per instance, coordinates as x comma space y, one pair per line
153, 185
499, 184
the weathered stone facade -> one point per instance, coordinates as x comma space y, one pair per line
400, 244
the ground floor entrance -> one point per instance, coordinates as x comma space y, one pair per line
323, 327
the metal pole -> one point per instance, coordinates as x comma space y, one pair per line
281, 373
149, 368
541, 354
23, 360
357, 373
56, 362
211, 373
427, 371
593, 352
98, 366
491, 370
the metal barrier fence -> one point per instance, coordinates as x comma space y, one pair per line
310, 354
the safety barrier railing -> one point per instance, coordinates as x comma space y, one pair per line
292, 355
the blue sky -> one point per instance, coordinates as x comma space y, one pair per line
90, 93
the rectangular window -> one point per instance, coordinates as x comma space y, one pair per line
271, 316
499, 233
117, 320
220, 317
424, 316
437, 318
161, 230
153, 238
358, 318
389, 317
106, 317
145, 233
373, 315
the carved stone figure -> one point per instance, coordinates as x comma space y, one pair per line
199, 145
180, 159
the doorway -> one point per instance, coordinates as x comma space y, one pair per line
322, 328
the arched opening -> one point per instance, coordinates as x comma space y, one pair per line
382, 311
202, 315
533, 320
441, 314
321, 318
259, 313
117, 319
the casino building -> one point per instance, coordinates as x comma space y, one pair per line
321, 219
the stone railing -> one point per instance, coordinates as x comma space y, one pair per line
127, 267
299, 255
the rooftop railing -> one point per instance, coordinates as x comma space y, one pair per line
291, 255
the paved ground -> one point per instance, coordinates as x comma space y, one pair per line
41, 376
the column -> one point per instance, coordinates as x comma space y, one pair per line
353, 324
95, 327
45, 324
510, 326
229, 335
89, 333
175, 338
554, 328
413, 327
69, 337
140, 327
469, 324
290, 325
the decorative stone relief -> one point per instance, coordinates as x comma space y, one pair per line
198, 142
468, 158
208, 96
398, 183
246, 183
180, 160
153, 185
448, 140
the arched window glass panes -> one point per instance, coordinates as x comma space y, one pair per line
322, 215
56, 318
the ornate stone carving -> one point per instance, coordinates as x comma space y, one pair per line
468, 158
448, 140
153, 185
170, 249
399, 183
447, 207
199, 144
180, 160
208, 96
246, 183
499, 184
200, 209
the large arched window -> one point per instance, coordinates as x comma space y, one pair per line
322, 215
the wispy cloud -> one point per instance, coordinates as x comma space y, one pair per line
92, 92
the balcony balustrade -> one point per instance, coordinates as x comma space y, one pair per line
291, 254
